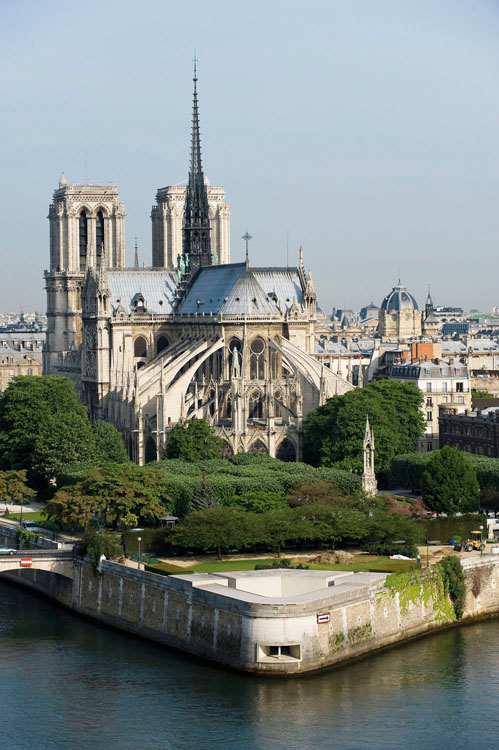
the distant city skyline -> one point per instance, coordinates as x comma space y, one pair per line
365, 132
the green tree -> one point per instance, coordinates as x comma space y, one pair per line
62, 439
96, 544
13, 487
109, 443
215, 528
333, 523
108, 494
284, 526
122, 488
322, 492
37, 409
194, 440
335, 431
71, 508
203, 497
450, 483
258, 502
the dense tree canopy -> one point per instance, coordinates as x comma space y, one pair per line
335, 431
44, 428
194, 440
449, 482
13, 487
108, 443
109, 494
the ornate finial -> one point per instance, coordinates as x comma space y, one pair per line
63, 181
195, 61
136, 259
247, 237
301, 259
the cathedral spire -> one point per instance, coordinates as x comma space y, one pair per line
136, 257
196, 230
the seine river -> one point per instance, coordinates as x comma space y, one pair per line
66, 683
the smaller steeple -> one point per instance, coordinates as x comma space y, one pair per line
369, 483
63, 181
429, 304
136, 258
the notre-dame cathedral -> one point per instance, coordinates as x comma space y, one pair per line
194, 335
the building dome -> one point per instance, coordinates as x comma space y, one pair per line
399, 299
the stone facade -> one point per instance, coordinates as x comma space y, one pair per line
13, 365
87, 230
474, 432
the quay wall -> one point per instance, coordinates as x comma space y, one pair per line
237, 633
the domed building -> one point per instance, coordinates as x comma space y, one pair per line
399, 315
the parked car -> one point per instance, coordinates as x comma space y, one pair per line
30, 526
7, 550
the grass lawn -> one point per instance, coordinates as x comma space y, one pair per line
379, 564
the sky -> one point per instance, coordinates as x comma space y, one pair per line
365, 131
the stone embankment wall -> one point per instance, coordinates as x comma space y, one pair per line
236, 632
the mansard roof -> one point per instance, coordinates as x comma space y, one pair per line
233, 289
157, 287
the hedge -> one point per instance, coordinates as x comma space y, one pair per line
445, 528
245, 473
407, 470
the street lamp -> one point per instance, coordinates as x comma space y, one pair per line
21, 532
139, 539
481, 542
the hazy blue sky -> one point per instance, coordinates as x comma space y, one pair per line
367, 128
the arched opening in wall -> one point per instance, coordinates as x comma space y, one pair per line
83, 233
286, 451
99, 232
257, 359
228, 408
150, 453
255, 410
162, 343
235, 358
258, 447
227, 451
140, 347
140, 364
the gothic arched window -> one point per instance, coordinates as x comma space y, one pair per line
99, 232
140, 347
83, 232
257, 360
162, 343
255, 406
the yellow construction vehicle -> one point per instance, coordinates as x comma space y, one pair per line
475, 541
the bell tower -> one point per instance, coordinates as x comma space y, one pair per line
87, 230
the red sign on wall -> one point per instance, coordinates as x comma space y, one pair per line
26, 562
323, 618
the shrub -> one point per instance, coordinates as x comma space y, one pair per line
95, 544
445, 528
282, 562
409, 550
454, 582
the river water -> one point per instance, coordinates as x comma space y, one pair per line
67, 683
